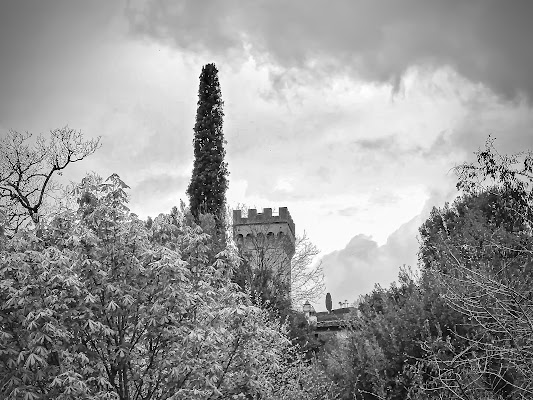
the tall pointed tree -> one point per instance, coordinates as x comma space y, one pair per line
207, 190
329, 304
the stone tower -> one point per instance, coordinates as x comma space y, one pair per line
268, 241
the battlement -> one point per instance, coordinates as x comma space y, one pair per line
264, 218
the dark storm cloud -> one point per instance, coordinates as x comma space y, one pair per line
46, 37
512, 128
487, 41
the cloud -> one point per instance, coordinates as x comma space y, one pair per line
484, 40
342, 150
157, 193
348, 212
354, 270
345, 138
511, 126
376, 144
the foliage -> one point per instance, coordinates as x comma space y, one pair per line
265, 271
361, 362
462, 328
265, 275
382, 355
509, 173
476, 228
207, 189
494, 358
27, 170
482, 247
329, 304
306, 381
303, 335
264, 285
103, 305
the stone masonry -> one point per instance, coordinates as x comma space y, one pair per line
267, 240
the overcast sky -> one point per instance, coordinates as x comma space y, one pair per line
351, 113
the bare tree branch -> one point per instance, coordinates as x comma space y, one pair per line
27, 170
262, 255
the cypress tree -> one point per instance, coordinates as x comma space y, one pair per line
329, 304
207, 189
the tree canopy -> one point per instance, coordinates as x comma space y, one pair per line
460, 328
103, 306
207, 189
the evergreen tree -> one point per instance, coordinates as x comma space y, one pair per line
207, 190
100, 306
329, 304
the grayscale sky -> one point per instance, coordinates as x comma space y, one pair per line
351, 113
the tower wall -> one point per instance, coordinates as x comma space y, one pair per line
268, 240
265, 218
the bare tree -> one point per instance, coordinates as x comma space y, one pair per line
491, 284
498, 354
307, 276
27, 168
275, 265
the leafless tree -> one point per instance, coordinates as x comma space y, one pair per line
266, 257
498, 357
490, 282
27, 168
307, 276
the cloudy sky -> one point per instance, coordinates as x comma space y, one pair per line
351, 113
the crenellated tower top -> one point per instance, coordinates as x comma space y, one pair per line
265, 218
267, 241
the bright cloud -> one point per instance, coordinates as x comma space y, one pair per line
352, 115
